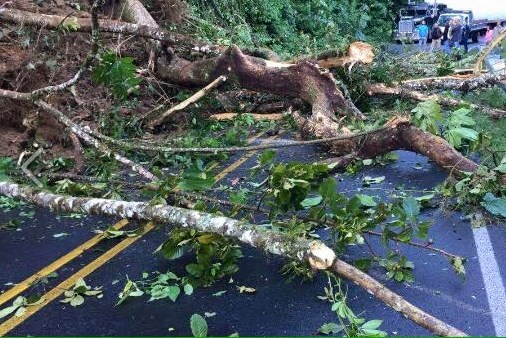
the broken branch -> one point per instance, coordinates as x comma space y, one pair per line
192, 99
315, 253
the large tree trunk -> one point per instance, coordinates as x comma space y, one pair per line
303, 80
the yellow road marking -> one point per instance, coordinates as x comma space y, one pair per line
243, 159
57, 291
52, 294
22, 286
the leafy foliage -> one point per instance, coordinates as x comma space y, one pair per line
6, 168
292, 27
118, 73
290, 183
349, 322
19, 306
398, 267
216, 256
427, 116
456, 127
75, 296
159, 286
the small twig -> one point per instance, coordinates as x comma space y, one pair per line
427, 246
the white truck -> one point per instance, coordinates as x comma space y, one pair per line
479, 13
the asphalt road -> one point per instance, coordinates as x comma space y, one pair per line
475, 305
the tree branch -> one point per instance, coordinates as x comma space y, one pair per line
315, 253
192, 99
381, 89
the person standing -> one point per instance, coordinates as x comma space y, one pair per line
489, 35
423, 34
435, 35
466, 31
446, 36
456, 34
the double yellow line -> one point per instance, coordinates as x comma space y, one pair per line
57, 291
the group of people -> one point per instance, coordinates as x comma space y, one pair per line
454, 34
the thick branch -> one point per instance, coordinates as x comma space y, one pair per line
303, 80
315, 253
380, 89
110, 26
455, 83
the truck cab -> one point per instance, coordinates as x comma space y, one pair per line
411, 16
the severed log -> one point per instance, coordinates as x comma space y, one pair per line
381, 89
357, 52
315, 253
318, 88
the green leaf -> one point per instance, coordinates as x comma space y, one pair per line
501, 168
363, 264
366, 200
368, 180
494, 205
195, 183
8, 310
173, 292
118, 73
411, 207
330, 328
20, 311
311, 201
267, 157
77, 300
328, 188
194, 270
372, 324
427, 115
188, 289
458, 266
198, 325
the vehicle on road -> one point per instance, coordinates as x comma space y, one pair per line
479, 13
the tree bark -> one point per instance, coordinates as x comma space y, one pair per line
110, 26
304, 80
315, 253
381, 89
454, 83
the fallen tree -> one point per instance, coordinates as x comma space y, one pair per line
304, 80
315, 253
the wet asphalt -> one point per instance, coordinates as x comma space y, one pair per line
277, 307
